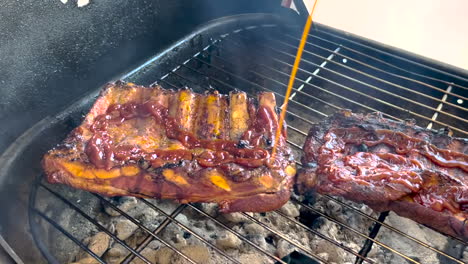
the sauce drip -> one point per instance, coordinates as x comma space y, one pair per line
292, 77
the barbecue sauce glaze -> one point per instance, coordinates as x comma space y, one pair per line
405, 168
102, 152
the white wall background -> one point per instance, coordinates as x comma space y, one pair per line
436, 29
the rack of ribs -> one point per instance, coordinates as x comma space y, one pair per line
417, 173
166, 144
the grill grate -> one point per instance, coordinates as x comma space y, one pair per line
336, 72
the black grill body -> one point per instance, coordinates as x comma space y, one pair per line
251, 52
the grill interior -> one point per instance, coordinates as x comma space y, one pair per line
337, 71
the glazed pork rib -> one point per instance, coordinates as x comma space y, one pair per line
151, 142
388, 165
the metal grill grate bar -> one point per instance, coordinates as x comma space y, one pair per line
322, 65
283, 236
232, 87
394, 229
366, 248
299, 117
253, 84
144, 228
358, 255
247, 81
323, 90
297, 130
237, 234
375, 98
355, 231
294, 145
179, 224
373, 67
96, 223
149, 238
394, 56
68, 235
307, 84
368, 75
439, 107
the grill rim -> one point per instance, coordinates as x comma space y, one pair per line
50, 121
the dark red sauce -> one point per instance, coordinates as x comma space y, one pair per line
404, 145
442, 198
404, 167
102, 152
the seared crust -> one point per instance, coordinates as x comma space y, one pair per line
418, 173
151, 142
